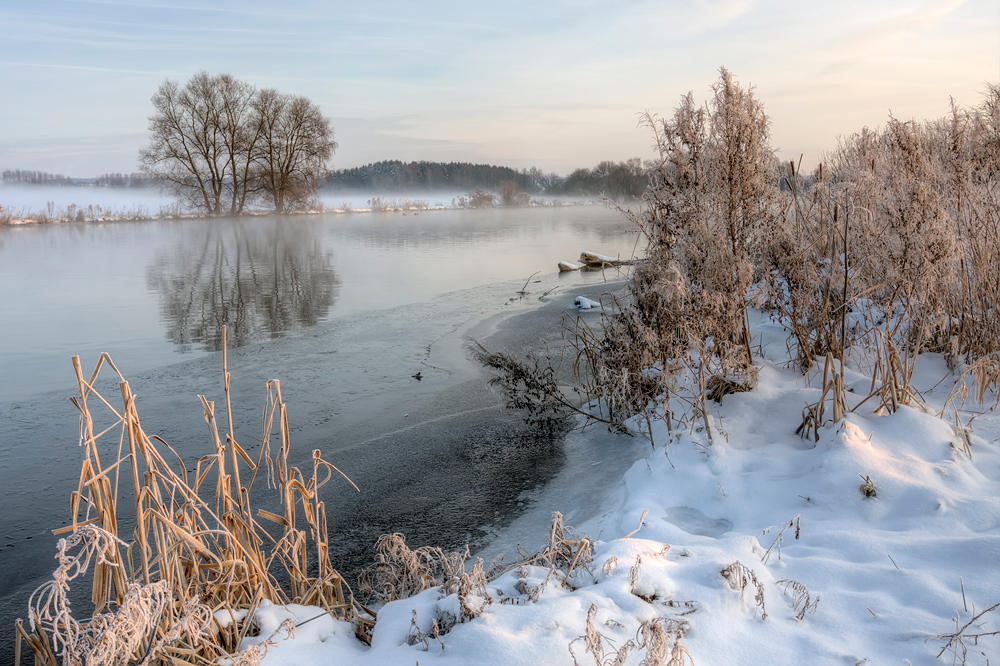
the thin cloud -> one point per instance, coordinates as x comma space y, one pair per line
558, 82
717, 14
882, 35
133, 4
87, 68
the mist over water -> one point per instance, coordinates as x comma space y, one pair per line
145, 291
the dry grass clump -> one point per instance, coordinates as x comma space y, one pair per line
565, 551
473, 597
740, 577
659, 638
477, 198
719, 386
108, 638
400, 572
814, 415
52, 214
377, 204
802, 602
198, 548
512, 196
867, 486
956, 641
566, 558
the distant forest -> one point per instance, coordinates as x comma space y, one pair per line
616, 180
117, 180
19, 176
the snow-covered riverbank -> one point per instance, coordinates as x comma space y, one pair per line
41, 204
758, 548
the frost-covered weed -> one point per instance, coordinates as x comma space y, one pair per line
891, 248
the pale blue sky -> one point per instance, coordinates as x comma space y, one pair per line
555, 84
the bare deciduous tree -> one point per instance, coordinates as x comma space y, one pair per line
297, 142
203, 137
218, 144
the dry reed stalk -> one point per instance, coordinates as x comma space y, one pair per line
795, 522
563, 553
739, 577
956, 639
813, 415
198, 547
653, 637
400, 572
802, 603
868, 487
985, 376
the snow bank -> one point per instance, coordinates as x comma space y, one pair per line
759, 548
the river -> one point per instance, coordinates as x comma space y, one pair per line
344, 309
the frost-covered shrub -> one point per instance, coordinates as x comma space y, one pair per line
710, 201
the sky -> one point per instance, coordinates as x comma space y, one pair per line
555, 84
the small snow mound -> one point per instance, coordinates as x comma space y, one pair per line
585, 303
228, 616
852, 436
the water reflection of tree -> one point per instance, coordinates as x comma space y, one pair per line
260, 278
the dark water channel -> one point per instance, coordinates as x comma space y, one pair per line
343, 310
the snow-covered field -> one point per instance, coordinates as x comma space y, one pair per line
38, 198
350, 200
30, 200
757, 548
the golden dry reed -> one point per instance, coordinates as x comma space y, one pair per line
181, 589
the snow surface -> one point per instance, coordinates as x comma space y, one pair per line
36, 198
888, 571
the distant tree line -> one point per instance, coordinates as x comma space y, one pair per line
397, 176
125, 181
113, 180
19, 176
616, 180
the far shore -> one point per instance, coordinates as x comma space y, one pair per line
76, 214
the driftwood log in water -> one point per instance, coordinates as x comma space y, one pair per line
594, 260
